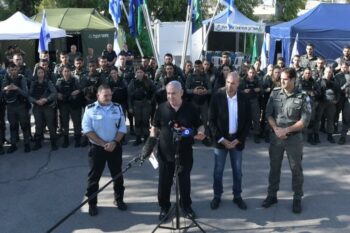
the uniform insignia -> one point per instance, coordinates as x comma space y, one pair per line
91, 105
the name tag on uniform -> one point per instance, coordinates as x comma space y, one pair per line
98, 117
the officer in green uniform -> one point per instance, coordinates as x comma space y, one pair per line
15, 90
43, 95
288, 111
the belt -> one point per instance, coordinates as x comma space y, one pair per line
232, 136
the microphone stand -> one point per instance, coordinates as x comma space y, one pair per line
176, 207
138, 160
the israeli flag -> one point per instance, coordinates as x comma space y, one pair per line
230, 11
45, 37
115, 11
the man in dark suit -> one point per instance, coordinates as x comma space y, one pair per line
229, 121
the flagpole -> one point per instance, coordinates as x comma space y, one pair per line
186, 33
208, 29
136, 39
150, 32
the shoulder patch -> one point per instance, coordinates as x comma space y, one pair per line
276, 89
91, 105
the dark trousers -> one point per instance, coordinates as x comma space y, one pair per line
18, 113
66, 111
97, 161
45, 115
2, 123
142, 113
166, 177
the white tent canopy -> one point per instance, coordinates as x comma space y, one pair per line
20, 27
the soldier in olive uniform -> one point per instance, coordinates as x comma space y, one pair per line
43, 95
307, 85
318, 71
308, 59
328, 96
297, 67
90, 83
252, 88
199, 90
345, 111
64, 59
140, 95
70, 105
169, 76
103, 68
288, 111
15, 90
168, 60
126, 73
340, 78
2, 117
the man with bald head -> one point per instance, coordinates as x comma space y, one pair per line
170, 121
229, 122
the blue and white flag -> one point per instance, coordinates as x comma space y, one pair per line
294, 50
115, 11
45, 37
263, 55
231, 11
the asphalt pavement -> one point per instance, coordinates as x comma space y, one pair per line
37, 189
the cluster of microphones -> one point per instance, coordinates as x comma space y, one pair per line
178, 130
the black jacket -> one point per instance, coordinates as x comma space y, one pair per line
219, 118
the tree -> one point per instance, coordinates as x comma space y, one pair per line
288, 10
27, 7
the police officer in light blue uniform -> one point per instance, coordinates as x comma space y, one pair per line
104, 124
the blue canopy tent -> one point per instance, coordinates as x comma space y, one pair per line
326, 26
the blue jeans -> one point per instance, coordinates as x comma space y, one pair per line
236, 165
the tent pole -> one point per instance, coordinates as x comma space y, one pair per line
136, 39
208, 29
186, 34
150, 33
245, 43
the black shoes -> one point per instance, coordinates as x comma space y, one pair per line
93, 210
330, 138
27, 148
256, 139
296, 206
189, 212
310, 139
65, 142
163, 214
342, 140
240, 203
214, 204
54, 146
269, 201
317, 138
121, 205
11, 149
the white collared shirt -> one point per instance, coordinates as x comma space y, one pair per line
232, 115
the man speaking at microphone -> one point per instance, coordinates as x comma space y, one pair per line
171, 117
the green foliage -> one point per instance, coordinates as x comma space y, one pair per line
166, 10
288, 10
247, 7
27, 7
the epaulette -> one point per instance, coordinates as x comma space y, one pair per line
276, 88
301, 95
91, 105
116, 104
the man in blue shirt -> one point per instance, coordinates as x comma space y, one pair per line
104, 124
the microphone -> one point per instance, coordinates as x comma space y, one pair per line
147, 149
180, 130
